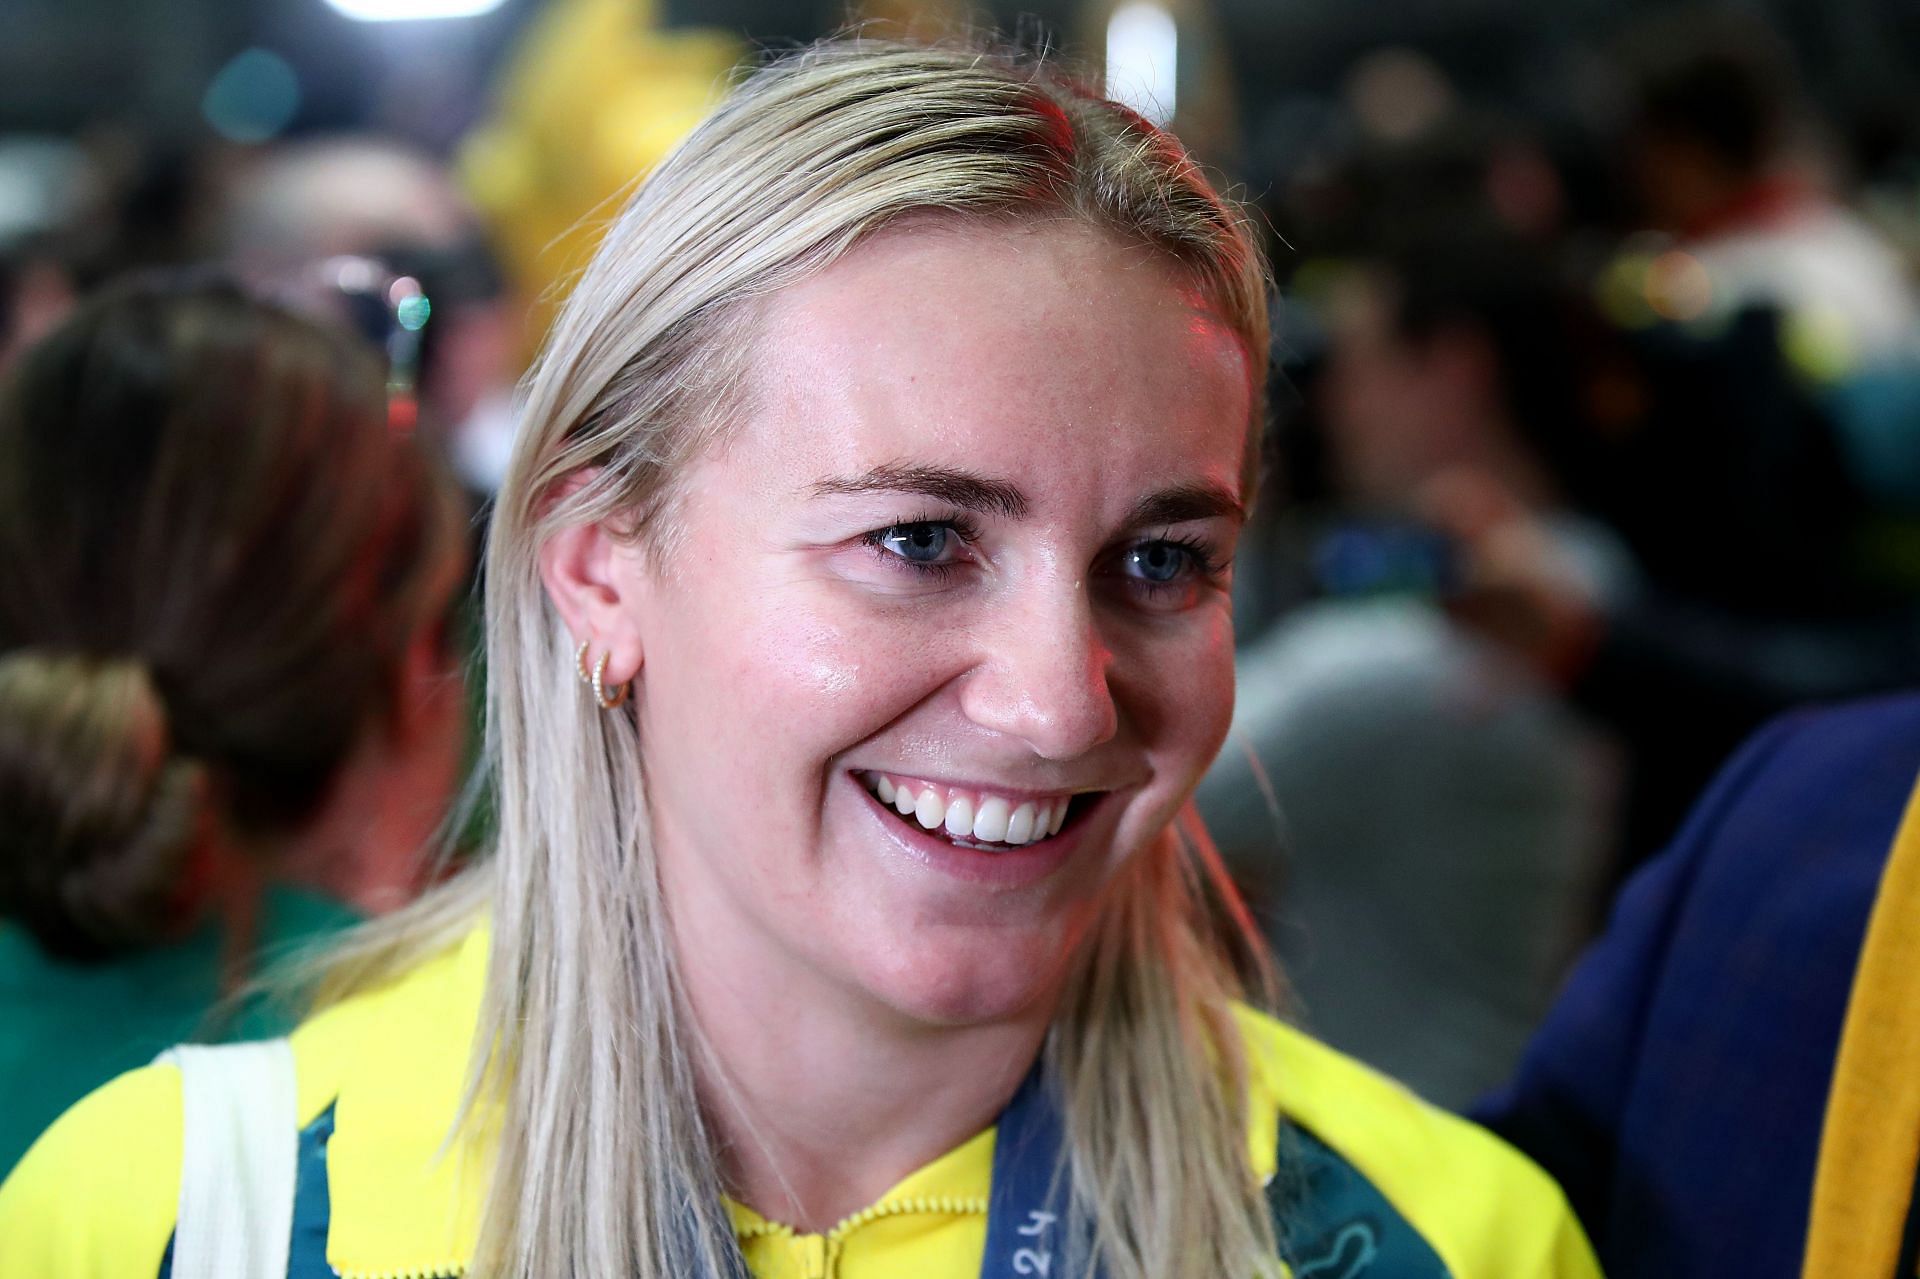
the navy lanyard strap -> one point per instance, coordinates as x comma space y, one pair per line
1027, 1207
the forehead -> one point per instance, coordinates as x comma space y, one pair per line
1030, 352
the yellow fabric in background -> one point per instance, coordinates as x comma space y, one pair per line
591, 101
1870, 1145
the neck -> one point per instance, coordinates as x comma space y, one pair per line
820, 1101
368, 844
238, 885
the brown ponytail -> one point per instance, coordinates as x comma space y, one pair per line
101, 814
213, 553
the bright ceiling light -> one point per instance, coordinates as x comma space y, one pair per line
404, 10
1143, 47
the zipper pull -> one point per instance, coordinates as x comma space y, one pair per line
814, 1261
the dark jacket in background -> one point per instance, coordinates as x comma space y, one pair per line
1677, 1089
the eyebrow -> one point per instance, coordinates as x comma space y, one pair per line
1186, 502
963, 489
973, 492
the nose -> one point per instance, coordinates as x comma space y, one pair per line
1044, 675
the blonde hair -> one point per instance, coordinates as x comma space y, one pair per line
603, 1158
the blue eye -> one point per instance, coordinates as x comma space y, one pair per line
1158, 562
923, 543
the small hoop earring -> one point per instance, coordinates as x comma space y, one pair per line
580, 663
599, 686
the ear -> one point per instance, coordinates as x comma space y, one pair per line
594, 576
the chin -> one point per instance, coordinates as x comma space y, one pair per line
966, 980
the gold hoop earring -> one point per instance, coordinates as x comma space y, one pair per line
580, 662
599, 687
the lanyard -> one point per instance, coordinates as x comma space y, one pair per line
1027, 1208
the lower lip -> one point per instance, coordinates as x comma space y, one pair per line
1014, 868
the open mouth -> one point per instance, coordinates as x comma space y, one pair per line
971, 818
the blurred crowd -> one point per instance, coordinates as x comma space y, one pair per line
1594, 448
1593, 453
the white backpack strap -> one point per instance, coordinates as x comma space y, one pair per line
238, 1167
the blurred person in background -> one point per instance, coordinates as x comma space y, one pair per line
1727, 158
1729, 1085
229, 717
1723, 154
45, 188
1730, 562
1444, 813
1756, 589
1644, 534
301, 209
1725, 1085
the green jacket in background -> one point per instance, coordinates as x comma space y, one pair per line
67, 1028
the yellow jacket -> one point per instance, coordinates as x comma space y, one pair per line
1406, 1191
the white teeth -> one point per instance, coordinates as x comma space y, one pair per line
987, 819
990, 823
960, 817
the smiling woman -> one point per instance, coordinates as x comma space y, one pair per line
881, 478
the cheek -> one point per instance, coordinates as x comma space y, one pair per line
1211, 685
1178, 696
780, 681
834, 675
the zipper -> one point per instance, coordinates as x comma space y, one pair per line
820, 1254
932, 1205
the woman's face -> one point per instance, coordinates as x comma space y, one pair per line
966, 557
